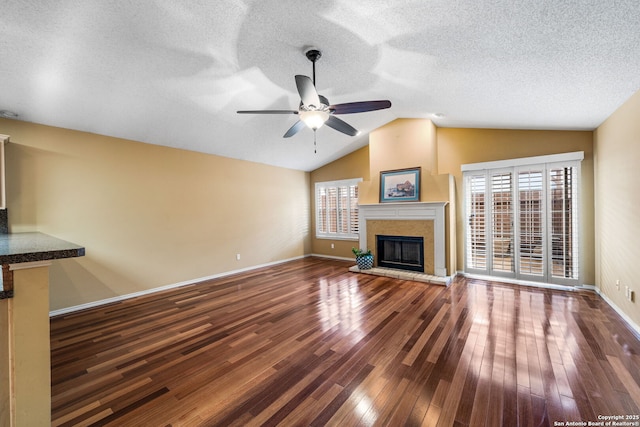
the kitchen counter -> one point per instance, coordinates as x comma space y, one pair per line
17, 248
33, 246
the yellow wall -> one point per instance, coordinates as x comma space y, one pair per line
409, 143
617, 195
148, 215
402, 143
441, 152
151, 216
351, 166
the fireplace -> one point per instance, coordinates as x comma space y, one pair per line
426, 219
401, 252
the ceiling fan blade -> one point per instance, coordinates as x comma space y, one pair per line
294, 129
341, 126
267, 112
359, 107
307, 91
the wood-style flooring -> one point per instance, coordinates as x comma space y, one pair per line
309, 343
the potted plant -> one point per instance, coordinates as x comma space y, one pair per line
364, 259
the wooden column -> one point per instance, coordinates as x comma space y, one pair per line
3, 198
25, 379
5, 366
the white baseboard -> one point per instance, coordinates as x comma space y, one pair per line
119, 298
518, 282
340, 258
634, 326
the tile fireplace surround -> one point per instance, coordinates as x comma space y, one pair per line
420, 211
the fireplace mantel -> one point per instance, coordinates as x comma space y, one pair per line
419, 211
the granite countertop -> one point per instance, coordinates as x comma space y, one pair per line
33, 246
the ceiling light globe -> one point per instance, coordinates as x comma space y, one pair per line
314, 119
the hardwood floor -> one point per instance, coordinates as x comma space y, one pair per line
309, 343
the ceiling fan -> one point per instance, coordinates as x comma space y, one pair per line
315, 110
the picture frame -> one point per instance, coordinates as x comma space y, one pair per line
400, 185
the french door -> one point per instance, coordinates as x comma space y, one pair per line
522, 222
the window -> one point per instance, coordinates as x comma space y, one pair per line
522, 218
337, 209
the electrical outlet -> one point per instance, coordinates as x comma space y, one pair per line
631, 295
626, 292
332, 246
618, 284
237, 257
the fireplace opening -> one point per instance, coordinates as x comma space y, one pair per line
401, 252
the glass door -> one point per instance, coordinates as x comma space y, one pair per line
489, 236
476, 227
502, 241
522, 223
563, 244
531, 228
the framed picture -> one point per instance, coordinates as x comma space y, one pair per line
400, 185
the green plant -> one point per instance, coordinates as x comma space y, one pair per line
360, 252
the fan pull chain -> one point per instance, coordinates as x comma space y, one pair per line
314, 142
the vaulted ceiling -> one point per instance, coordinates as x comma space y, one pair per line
175, 72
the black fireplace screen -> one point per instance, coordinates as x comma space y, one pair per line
401, 252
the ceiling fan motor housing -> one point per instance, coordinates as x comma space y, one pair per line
313, 54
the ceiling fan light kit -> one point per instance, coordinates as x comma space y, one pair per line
315, 110
314, 119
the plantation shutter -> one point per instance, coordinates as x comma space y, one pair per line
332, 212
476, 230
530, 195
337, 209
523, 218
563, 203
353, 199
321, 210
502, 221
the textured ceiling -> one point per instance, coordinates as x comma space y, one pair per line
174, 72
